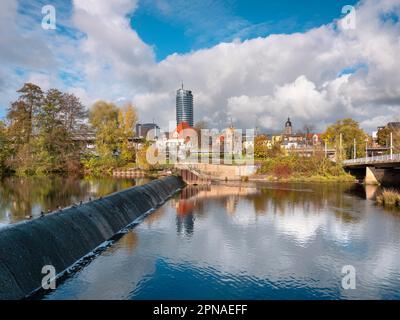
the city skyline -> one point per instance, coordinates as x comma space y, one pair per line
295, 60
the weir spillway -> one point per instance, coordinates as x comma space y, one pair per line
61, 239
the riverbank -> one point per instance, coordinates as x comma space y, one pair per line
304, 179
293, 168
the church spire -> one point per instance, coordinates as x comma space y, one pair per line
288, 127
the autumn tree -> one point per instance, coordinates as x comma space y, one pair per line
275, 150
127, 118
141, 158
260, 146
384, 137
103, 117
347, 130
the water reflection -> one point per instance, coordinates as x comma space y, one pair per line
22, 197
264, 241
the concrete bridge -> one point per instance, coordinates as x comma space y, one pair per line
204, 173
191, 176
375, 170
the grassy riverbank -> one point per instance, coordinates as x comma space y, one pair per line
301, 169
389, 198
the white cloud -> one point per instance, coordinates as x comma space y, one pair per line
261, 80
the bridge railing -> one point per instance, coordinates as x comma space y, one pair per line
376, 159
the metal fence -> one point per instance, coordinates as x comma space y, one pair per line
377, 159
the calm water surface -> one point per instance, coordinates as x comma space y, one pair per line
22, 197
278, 241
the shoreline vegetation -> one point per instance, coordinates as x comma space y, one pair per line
292, 168
52, 132
389, 198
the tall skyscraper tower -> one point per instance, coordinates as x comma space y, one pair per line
184, 106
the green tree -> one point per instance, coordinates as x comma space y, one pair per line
20, 134
4, 148
53, 142
349, 130
20, 123
41, 129
32, 95
73, 113
22, 112
384, 138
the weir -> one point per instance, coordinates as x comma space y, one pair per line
62, 238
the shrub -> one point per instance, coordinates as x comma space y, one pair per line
282, 170
96, 166
389, 198
303, 168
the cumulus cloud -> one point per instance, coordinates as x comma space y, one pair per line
264, 80
301, 100
315, 76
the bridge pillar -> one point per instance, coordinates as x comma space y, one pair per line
371, 191
370, 176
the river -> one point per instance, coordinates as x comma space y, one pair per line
25, 197
253, 241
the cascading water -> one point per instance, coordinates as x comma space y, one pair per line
60, 239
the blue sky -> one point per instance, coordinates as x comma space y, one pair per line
175, 26
256, 62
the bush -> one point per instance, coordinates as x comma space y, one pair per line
389, 198
97, 166
303, 168
282, 170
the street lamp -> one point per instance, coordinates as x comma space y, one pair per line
391, 145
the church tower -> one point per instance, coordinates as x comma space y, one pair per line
288, 127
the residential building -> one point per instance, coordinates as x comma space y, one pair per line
148, 131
